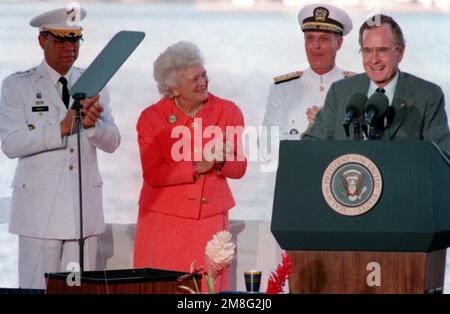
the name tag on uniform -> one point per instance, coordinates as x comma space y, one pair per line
39, 108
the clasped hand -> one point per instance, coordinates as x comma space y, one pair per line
207, 163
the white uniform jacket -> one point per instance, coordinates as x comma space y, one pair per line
289, 98
45, 186
288, 101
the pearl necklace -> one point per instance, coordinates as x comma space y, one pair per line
191, 114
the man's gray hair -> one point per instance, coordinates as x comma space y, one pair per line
178, 57
378, 20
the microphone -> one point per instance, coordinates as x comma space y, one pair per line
376, 106
353, 110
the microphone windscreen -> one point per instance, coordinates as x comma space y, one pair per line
356, 104
378, 103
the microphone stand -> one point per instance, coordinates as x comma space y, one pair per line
357, 128
93, 80
77, 106
356, 131
371, 132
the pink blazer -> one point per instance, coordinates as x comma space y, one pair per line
170, 186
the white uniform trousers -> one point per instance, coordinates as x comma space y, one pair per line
40, 256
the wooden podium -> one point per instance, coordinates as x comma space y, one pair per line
398, 246
346, 272
124, 281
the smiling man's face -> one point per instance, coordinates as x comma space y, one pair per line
383, 54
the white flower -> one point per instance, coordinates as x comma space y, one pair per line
219, 253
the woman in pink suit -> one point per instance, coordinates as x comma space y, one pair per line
190, 143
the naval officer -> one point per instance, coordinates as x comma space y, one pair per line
295, 98
37, 127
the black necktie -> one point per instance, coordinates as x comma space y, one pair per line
380, 90
65, 91
384, 120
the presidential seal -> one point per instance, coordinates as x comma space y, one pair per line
352, 184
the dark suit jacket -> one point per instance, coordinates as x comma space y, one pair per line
418, 109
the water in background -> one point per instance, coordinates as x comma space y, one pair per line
243, 51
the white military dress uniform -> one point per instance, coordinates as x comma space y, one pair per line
45, 185
45, 198
292, 94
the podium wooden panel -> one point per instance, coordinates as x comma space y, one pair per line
126, 281
346, 272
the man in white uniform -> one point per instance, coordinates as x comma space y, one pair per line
295, 98
37, 126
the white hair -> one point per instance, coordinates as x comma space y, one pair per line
178, 57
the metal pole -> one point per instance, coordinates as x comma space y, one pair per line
77, 106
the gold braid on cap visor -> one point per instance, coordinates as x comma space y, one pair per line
72, 33
322, 26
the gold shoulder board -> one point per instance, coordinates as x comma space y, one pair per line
347, 74
287, 77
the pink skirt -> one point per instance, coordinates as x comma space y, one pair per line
173, 243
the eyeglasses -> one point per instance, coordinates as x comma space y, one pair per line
381, 51
61, 43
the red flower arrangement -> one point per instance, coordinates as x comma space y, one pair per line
278, 277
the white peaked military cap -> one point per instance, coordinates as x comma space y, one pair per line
63, 23
325, 18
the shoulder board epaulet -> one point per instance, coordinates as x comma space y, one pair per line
23, 73
287, 77
347, 74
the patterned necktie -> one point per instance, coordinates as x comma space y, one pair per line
65, 91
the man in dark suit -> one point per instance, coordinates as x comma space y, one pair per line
417, 107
